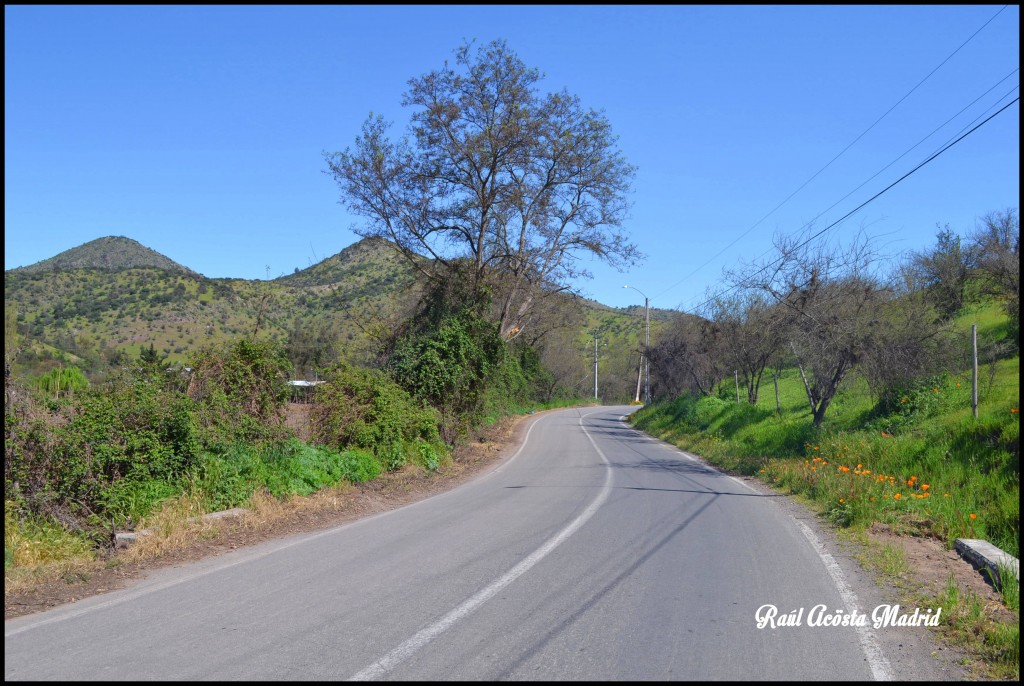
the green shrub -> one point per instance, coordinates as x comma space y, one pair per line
364, 408
359, 466
240, 391
72, 462
62, 381
428, 456
450, 368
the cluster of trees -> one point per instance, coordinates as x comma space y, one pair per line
831, 310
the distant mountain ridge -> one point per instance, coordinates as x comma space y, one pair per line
106, 300
112, 253
369, 255
113, 295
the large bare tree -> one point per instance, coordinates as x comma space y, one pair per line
498, 184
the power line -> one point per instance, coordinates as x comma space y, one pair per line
927, 160
843, 151
911, 148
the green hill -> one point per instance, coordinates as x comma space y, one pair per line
108, 253
103, 302
114, 296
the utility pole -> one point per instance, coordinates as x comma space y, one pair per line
645, 362
595, 367
647, 348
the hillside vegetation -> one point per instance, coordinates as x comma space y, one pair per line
925, 466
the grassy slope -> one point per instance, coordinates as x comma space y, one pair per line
931, 467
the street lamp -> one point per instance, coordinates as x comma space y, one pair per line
647, 345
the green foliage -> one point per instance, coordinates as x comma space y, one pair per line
73, 463
62, 381
457, 368
428, 456
228, 479
241, 391
364, 408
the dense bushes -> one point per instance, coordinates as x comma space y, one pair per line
363, 408
242, 390
74, 463
109, 455
463, 368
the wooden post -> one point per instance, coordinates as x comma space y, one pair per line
778, 407
974, 369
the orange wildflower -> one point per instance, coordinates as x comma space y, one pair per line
897, 496
974, 516
925, 487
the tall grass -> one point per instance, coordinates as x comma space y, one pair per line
37, 550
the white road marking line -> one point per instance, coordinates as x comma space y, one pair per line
880, 668
425, 636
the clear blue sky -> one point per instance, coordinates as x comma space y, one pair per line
199, 131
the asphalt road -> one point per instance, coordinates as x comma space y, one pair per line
593, 553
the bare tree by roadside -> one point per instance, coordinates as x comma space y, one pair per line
996, 246
752, 331
840, 311
686, 358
